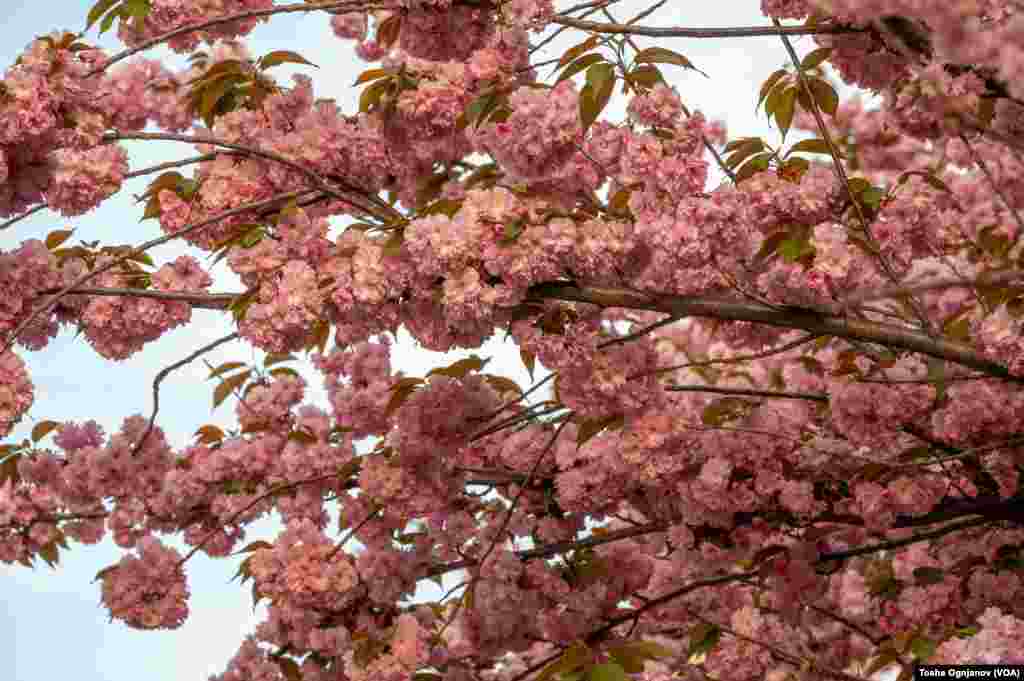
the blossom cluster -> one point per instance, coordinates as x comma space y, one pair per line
675, 462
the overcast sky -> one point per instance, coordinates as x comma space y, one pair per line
51, 623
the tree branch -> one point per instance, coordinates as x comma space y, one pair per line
788, 317
350, 5
138, 250
682, 32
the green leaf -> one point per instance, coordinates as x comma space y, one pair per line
277, 357
815, 58
240, 305
922, 648
136, 8
254, 546
580, 64
633, 654
647, 75
775, 96
50, 553
228, 385
767, 86
596, 93
373, 74
42, 429
218, 91
104, 572
400, 392
606, 672
883, 660
784, 110
209, 434
480, 108
283, 57
512, 231
928, 575
371, 95
929, 177
388, 30
591, 427
97, 11
662, 55
811, 146
825, 96
793, 169
937, 374
289, 668
723, 410
503, 384
570, 660
55, 238
9, 466
108, 21
529, 361
302, 437
461, 368
393, 246
224, 368
599, 74
703, 639
744, 151
872, 197
169, 180
958, 328
755, 165
577, 50
793, 249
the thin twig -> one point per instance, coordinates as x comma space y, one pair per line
777, 394
733, 360
685, 32
260, 498
795, 660
900, 290
164, 373
992, 183
250, 14
840, 172
174, 164
312, 176
671, 319
138, 250
19, 218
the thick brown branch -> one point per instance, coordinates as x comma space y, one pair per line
788, 317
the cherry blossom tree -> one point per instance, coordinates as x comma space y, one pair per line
778, 429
